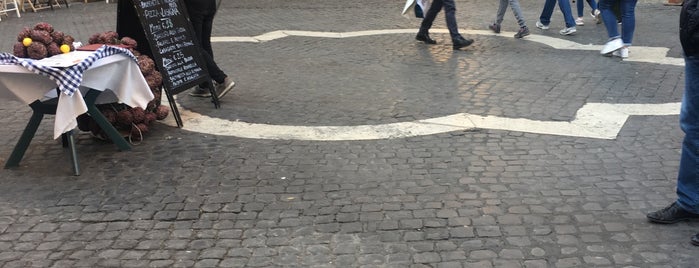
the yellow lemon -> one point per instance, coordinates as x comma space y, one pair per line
65, 48
26, 41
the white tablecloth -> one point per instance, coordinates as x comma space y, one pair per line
118, 76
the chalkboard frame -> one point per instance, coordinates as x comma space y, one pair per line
127, 13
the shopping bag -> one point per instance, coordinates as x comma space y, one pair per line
409, 4
420, 7
419, 12
423, 6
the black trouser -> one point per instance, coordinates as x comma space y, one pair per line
449, 14
201, 14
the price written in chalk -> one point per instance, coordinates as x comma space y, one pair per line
171, 39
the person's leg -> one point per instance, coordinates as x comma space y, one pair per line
688, 175
581, 7
450, 16
196, 17
214, 71
206, 29
609, 18
564, 5
545, 17
628, 16
500, 16
593, 4
514, 4
426, 24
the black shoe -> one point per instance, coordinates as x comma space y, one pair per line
494, 27
425, 37
695, 240
671, 214
460, 42
524, 31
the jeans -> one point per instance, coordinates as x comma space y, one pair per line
581, 6
688, 175
628, 19
201, 14
449, 14
545, 17
514, 4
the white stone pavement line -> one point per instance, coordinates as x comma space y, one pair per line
656, 55
593, 120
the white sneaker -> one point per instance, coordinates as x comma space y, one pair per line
580, 21
612, 46
621, 53
596, 15
568, 31
541, 26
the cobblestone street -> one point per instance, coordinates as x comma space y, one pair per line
494, 195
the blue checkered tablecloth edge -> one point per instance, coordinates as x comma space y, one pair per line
69, 78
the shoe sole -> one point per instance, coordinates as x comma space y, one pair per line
568, 33
458, 47
612, 46
426, 42
522, 36
200, 95
667, 221
226, 90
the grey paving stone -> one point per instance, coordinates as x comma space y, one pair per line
182, 198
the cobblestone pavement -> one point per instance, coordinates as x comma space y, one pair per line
478, 198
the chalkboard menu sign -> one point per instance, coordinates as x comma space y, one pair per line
165, 26
172, 42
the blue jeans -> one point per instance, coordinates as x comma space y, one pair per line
545, 16
628, 19
688, 175
449, 15
581, 6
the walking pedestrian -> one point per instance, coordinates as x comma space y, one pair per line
201, 14
595, 13
545, 17
687, 204
449, 7
618, 44
499, 17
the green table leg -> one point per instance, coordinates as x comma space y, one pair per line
73, 153
40, 109
90, 98
25, 139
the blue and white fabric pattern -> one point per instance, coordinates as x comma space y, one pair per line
68, 79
